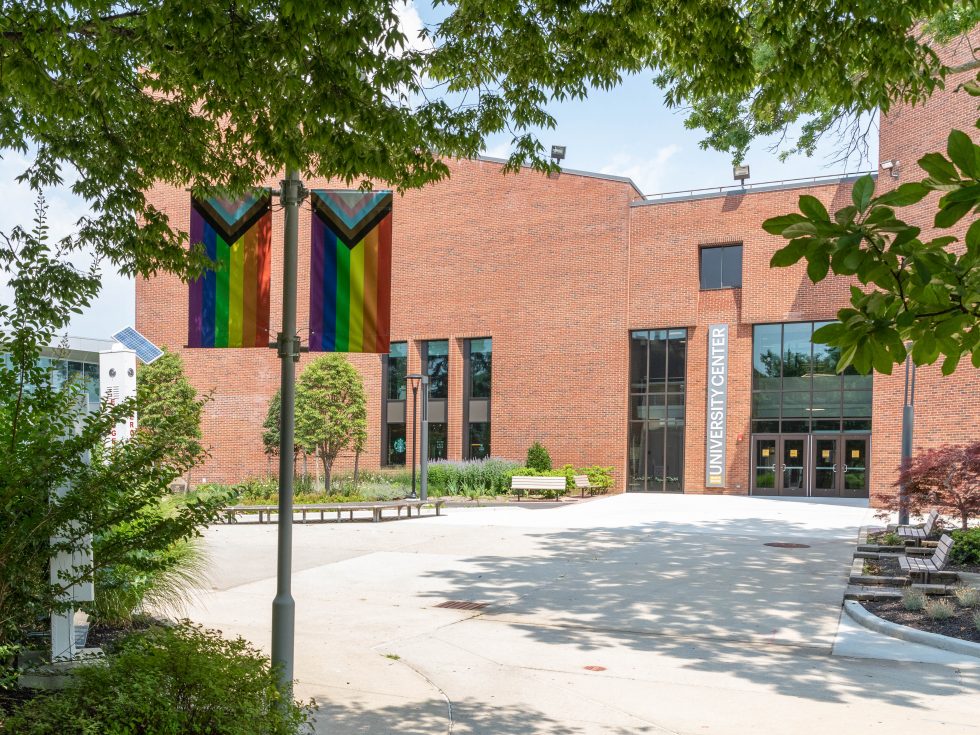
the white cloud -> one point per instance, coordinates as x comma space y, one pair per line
410, 23
114, 307
498, 150
649, 173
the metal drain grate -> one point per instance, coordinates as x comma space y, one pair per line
787, 545
462, 605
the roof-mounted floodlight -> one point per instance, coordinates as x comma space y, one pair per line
740, 173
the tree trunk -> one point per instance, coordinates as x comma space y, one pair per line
357, 461
965, 520
327, 463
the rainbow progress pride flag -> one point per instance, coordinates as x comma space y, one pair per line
350, 271
229, 306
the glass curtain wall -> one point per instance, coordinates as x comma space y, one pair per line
658, 373
479, 372
795, 386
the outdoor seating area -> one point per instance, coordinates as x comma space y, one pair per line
308, 513
916, 565
525, 484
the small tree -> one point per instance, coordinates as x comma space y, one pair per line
167, 405
331, 409
270, 427
947, 478
538, 457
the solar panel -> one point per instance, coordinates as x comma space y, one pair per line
145, 350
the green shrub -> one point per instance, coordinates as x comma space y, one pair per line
538, 457
941, 609
976, 620
913, 599
967, 596
157, 581
890, 539
966, 547
598, 476
488, 476
168, 680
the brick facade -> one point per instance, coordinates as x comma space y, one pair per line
558, 271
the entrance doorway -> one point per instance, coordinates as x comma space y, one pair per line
810, 465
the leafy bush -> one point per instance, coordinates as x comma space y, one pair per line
169, 680
966, 547
967, 596
538, 457
976, 620
598, 476
913, 599
941, 609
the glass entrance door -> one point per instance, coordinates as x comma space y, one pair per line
855, 467
826, 474
764, 465
793, 470
780, 465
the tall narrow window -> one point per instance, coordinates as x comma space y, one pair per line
435, 360
395, 368
658, 375
476, 408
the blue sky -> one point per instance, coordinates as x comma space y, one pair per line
627, 131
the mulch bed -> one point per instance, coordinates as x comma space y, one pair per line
99, 636
883, 567
961, 626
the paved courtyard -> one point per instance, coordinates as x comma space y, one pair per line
628, 614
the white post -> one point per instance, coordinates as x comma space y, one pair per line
117, 382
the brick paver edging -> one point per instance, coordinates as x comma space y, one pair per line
860, 615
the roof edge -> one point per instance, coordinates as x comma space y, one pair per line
760, 188
571, 172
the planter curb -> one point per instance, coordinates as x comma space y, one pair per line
857, 612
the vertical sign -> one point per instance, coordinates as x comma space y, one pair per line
717, 405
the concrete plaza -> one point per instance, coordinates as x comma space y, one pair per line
628, 614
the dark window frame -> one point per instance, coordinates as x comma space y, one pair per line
468, 395
385, 400
721, 247
670, 399
842, 388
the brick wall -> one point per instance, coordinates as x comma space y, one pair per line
947, 409
558, 271
539, 264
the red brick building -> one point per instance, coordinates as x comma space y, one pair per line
597, 307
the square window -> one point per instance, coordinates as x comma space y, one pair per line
721, 267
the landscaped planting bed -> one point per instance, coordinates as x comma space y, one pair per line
962, 625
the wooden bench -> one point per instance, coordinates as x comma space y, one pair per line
524, 483
919, 533
935, 563
583, 483
265, 512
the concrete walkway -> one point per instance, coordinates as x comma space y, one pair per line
629, 614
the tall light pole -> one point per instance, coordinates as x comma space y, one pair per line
415, 379
283, 606
908, 419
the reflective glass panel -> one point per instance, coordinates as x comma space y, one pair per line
437, 367
766, 350
638, 362
479, 440
437, 441
395, 451
796, 356
397, 370
481, 363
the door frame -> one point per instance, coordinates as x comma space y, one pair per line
779, 439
